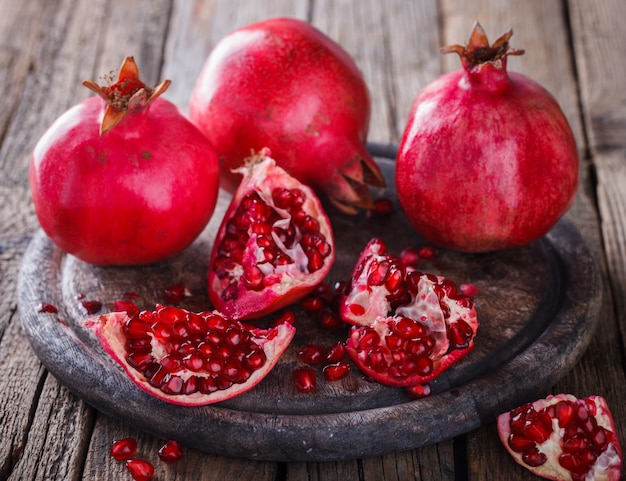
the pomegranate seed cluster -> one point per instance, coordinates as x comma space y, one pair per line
583, 440
404, 287
284, 234
182, 352
402, 351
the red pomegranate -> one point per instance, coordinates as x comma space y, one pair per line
487, 160
283, 84
123, 178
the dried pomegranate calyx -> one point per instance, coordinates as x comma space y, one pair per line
128, 93
478, 50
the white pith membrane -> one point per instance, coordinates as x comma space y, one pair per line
607, 466
109, 329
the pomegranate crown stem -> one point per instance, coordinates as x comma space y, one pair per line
128, 93
478, 50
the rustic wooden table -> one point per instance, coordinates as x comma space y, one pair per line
574, 48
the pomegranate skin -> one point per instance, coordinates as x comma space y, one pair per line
283, 84
487, 160
138, 194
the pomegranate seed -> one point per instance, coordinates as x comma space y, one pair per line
410, 256
287, 316
378, 273
336, 352
356, 309
130, 295
305, 379
383, 206
520, 443
418, 391
171, 452
469, 290
140, 470
312, 354
45, 307
427, 252
92, 306
330, 320
336, 371
460, 335
312, 303
407, 328
129, 307
536, 432
534, 457
175, 294
124, 449
255, 359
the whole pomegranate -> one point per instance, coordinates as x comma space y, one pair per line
564, 438
487, 160
124, 178
283, 84
408, 326
190, 358
274, 245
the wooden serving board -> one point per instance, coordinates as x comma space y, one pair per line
538, 308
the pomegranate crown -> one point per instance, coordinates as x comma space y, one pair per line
478, 51
128, 93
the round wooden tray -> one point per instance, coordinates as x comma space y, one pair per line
538, 307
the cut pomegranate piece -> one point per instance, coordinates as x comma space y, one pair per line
408, 326
275, 243
188, 358
563, 438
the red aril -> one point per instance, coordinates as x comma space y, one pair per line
171, 451
283, 84
274, 246
140, 469
564, 438
336, 371
408, 326
312, 354
190, 358
124, 449
305, 379
123, 178
487, 160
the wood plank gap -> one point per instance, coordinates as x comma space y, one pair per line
459, 450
